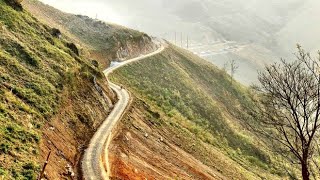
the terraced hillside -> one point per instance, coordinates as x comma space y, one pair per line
186, 122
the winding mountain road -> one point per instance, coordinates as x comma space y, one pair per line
95, 163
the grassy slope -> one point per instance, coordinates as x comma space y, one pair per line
195, 98
47, 96
102, 39
39, 73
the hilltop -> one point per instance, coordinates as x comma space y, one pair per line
104, 41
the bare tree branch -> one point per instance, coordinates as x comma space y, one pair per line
289, 108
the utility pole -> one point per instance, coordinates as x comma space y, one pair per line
44, 166
187, 41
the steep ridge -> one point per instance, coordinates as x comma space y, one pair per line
53, 96
105, 42
187, 122
47, 99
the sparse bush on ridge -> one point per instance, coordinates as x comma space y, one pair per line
56, 32
73, 48
4, 147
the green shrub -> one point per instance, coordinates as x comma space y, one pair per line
2, 171
73, 48
29, 171
17, 50
29, 174
29, 166
55, 32
4, 147
3, 111
18, 133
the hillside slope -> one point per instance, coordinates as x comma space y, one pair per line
51, 98
186, 123
105, 42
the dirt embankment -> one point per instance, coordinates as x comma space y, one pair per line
143, 149
82, 111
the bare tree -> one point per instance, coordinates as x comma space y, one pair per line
290, 106
233, 68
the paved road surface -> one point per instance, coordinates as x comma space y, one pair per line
93, 167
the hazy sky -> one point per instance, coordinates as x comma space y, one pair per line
139, 14
150, 16
285, 22
90, 8
116, 11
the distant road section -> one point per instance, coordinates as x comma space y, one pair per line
95, 163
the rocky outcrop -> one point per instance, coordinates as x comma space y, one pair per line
134, 48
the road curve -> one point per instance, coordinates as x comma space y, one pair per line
97, 152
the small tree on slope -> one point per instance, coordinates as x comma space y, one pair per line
291, 107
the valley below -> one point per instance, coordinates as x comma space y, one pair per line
249, 58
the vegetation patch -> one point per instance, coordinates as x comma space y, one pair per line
198, 97
36, 67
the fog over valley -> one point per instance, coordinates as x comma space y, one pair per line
251, 32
